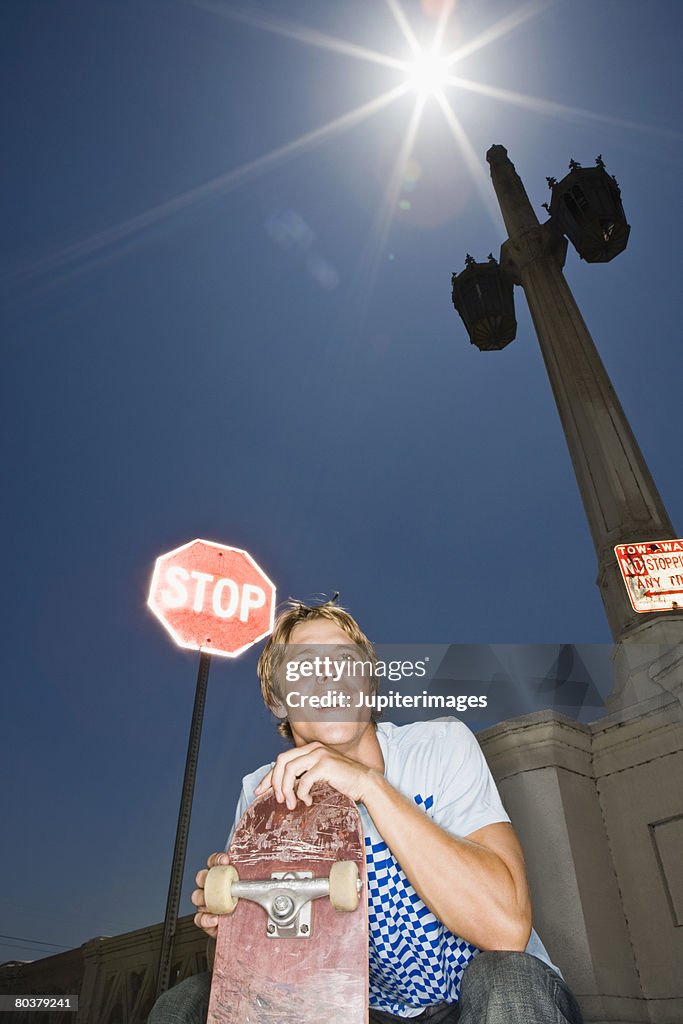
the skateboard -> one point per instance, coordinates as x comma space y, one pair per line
292, 943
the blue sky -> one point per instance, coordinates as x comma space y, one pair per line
202, 340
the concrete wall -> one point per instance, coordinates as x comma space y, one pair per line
599, 811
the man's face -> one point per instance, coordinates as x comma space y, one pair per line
322, 661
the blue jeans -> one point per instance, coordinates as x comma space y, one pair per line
497, 988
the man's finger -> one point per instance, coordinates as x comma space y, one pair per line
289, 766
197, 898
293, 757
218, 858
265, 784
294, 770
303, 790
200, 878
207, 922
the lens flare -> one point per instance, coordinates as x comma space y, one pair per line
428, 73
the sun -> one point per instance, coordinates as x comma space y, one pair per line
428, 73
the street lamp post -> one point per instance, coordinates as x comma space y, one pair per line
620, 498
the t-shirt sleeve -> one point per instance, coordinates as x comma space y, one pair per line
468, 798
242, 805
247, 796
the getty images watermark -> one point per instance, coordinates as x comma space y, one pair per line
331, 671
482, 683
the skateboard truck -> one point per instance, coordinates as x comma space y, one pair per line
286, 896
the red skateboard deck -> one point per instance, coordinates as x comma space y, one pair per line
263, 973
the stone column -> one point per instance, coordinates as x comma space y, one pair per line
619, 495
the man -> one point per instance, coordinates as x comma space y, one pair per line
449, 909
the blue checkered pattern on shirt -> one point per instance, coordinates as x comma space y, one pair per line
414, 960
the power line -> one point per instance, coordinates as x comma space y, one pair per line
31, 949
38, 942
110, 923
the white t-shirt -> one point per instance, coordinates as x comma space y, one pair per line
415, 961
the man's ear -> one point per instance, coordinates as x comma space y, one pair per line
278, 709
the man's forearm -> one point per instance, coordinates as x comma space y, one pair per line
467, 886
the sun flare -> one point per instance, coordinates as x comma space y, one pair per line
428, 73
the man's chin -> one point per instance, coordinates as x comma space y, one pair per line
330, 731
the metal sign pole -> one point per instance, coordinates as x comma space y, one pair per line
180, 849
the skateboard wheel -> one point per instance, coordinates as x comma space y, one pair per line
218, 889
344, 893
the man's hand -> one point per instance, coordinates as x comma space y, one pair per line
207, 922
297, 770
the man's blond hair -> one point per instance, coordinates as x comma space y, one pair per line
273, 653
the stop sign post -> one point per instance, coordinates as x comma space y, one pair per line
214, 599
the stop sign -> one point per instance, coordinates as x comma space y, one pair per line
211, 597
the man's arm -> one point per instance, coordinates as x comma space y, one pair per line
476, 886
